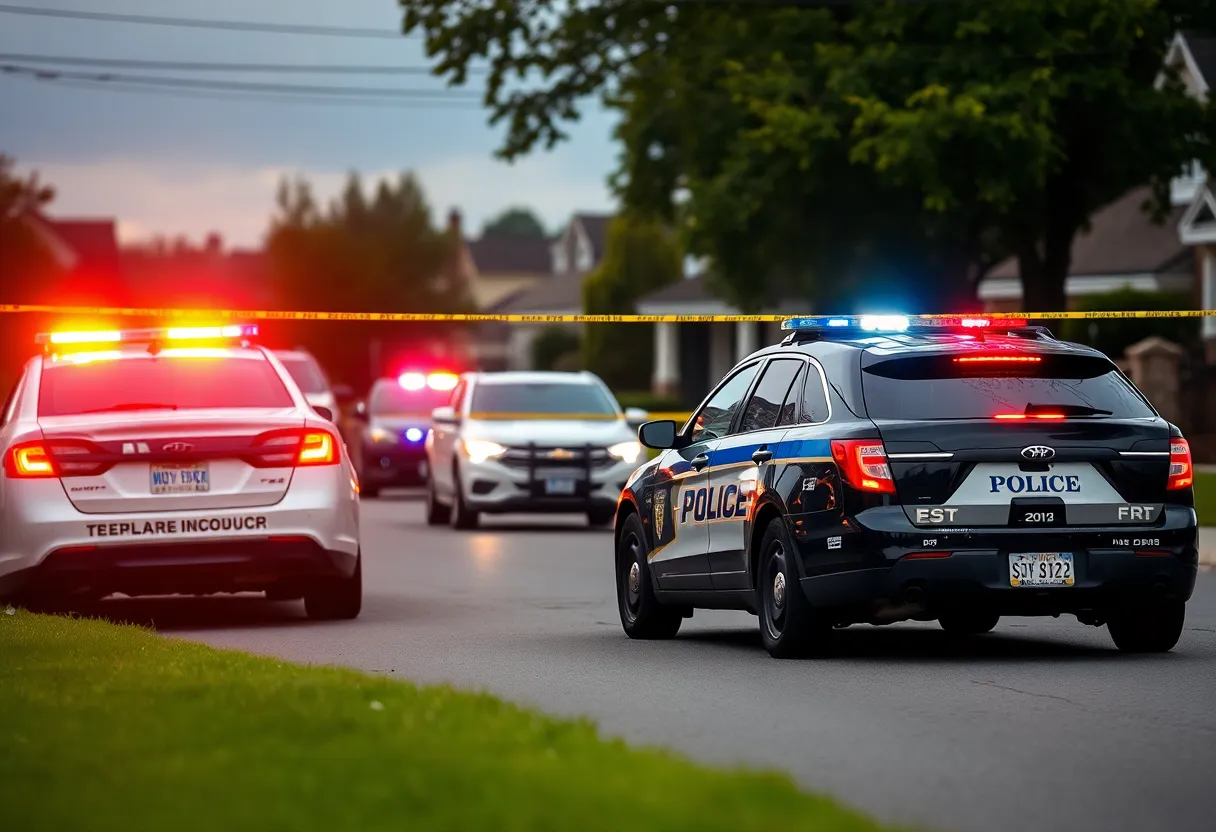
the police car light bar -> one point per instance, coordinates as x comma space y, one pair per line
898, 323
116, 336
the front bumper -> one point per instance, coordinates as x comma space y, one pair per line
388, 466
312, 530
494, 488
878, 562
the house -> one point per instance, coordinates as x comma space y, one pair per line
86, 252
1123, 247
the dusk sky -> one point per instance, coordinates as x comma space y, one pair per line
164, 163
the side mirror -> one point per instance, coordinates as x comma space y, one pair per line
444, 415
325, 413
635, 415
660, 435
343, 393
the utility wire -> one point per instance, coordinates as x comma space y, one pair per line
213, 66
202, 23
238, 86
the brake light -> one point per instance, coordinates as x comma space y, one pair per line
29, 460
998, 359
317, 449
1020, 416
863, 464
1181, 473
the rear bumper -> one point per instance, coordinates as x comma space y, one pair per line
1113, 566
242, 565
387, 467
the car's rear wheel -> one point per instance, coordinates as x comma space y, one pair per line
1155, 628
970, 623
462, 516
789, 626
437, 514
337, 599
642, 616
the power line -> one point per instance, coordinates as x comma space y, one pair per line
237, 86
217, 66
201, 23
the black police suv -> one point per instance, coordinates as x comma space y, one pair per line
881, 470
397, 417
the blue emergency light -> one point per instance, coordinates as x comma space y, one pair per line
898, 323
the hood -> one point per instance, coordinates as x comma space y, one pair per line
550, 433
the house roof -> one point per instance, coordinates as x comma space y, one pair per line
596, 228
506, 254
87, 251
559, 293
692, 289
1202, 46
1122, 239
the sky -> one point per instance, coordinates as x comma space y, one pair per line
164, 163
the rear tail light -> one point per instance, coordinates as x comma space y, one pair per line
1022, 416
295, 449
29, 460
863, 464
1181, 473
998, 359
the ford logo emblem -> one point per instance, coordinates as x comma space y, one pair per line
1038, 452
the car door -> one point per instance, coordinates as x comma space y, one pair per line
443, 441
747, 462
681, 487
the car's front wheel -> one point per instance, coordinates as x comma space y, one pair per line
642, 616
1155, 628
437, 514
789, 626
337, 599
462, 517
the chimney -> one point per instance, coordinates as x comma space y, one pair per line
455, 223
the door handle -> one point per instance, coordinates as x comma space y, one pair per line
762, 455
699, 462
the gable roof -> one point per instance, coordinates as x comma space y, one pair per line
595, 226
558, 293
510, 254
1202, 46
1122, 239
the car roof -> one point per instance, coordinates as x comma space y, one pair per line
535, 377
947, 343
294, 355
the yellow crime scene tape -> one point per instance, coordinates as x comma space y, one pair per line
422, 317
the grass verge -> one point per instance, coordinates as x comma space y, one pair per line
1205, 498
109, 727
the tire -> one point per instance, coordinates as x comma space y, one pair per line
437, 514
462, 517
642, 616
968, 623
337, 599
599, 518
1150, 629
789, 625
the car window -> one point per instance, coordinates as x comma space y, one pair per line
389, 398
814, 400
789, 407
307, 374
764, 407
715, 417
542, 398
164, 381
10, 404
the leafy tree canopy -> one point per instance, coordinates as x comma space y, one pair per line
815, 147
25, 261
516, 222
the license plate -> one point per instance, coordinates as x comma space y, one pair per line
1041, 569
559, 486
180, 479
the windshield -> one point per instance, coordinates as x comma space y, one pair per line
391, 399
542, 398
937, 388
307, 375
163, 382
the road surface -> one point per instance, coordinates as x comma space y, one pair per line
1041, 725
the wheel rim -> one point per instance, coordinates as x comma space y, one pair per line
775, 590
631, 578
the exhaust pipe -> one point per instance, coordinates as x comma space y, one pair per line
914, 596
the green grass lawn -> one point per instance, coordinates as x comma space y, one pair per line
1205, 498
107, 727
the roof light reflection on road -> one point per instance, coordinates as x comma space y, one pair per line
487, 549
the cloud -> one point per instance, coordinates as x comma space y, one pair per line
149, 198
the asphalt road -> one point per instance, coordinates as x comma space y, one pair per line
1041, 725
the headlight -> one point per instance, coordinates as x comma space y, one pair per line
479, 450
626, 451
381, 436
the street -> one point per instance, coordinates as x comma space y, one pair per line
1041, 725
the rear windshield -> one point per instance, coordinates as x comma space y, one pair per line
542, 398
162, 382
390, 398
306, 374
937, 387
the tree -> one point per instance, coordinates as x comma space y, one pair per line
516, 222
639, 257
25, 261
377, 252
806, 146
